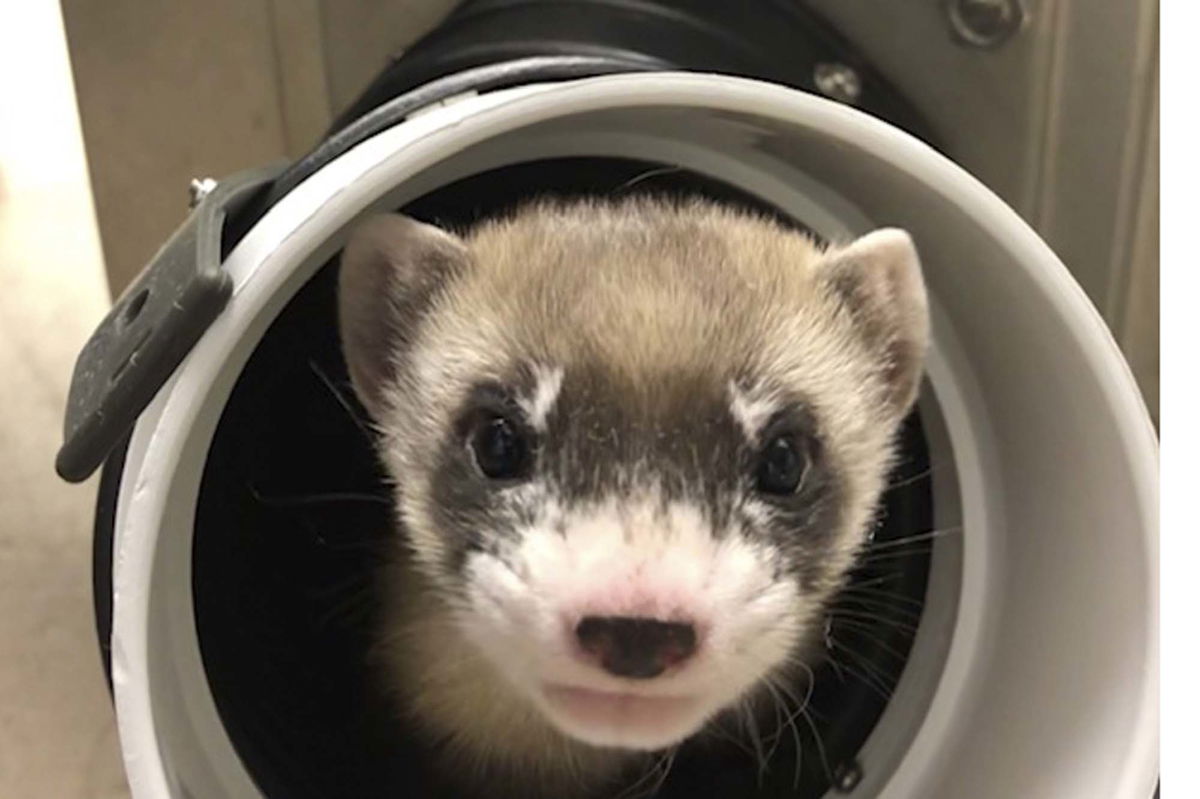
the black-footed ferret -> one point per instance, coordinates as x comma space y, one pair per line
636, 447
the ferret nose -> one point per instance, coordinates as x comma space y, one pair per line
636, 647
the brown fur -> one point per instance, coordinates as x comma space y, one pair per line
667, 297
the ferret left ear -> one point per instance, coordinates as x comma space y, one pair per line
878, 278
391, 269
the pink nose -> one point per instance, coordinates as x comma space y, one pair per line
639, 648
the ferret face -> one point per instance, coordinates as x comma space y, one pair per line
637, 446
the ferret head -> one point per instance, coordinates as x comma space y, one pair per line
637, 446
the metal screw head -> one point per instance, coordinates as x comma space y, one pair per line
198, 189
986, 23
838, 82
847, 777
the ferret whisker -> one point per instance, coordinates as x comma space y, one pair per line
751, 726
776, 737
302, 500
924, 474
656, 772
897, 555
869, 631
867, 666
884, 596
801, 709
812, 725
731, 736
781, 712
879, 594
790, 723
835, 664
668, 763
839, 613
884, 679
859, 582
341, 399
875, 546
812, 683
632, 790
336, 588
642, 176
936, 533
920, 476
868, 604
355, 596
880, 689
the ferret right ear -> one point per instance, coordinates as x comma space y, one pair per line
391, 270
878, 278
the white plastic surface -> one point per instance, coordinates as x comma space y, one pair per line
1048, 687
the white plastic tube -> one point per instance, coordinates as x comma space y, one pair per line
1042, 679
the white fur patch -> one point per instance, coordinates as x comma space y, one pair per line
759, 513
547, 385
631, 558
750, 410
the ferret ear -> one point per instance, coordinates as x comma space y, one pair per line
878, 278
391, 268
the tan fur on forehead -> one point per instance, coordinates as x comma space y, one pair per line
645, 286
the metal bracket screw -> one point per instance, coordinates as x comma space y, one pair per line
986, 23
198, 189
838, 82
847, 777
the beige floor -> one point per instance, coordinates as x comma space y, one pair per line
57, 737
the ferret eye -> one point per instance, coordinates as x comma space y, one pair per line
782, 466
500, 447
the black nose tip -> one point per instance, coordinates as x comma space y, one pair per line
633, 647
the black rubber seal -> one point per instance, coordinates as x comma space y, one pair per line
102, 551
538, 69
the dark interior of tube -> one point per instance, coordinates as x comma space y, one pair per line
293, 517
